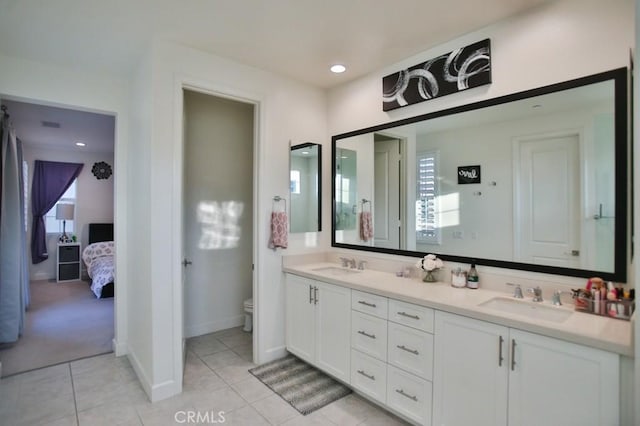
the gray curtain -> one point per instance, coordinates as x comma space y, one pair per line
14, 278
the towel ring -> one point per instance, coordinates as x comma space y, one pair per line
362, 204
276, 200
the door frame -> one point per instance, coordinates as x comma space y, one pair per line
582, 172
183, 82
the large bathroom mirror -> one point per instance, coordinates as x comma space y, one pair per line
534, 181
305, 170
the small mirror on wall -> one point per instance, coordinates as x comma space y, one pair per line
306, 177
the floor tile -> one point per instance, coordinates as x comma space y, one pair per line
222, 359
109, 414
244, 351
235, 340
314, 419
207, 346
222, 400
246, 415
275, 409
252, 389
235, 373
350, 410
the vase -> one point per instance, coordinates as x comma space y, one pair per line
430, 277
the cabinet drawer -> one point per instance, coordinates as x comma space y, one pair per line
68, 253
369, 335
369, 376
415, 316
369, 303
411, 350
409, 395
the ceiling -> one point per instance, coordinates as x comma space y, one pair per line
295, 38
95, 130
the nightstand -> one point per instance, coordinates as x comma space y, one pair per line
69, 263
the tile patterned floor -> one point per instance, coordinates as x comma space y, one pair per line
104, 390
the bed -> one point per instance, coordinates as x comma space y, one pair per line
98, 255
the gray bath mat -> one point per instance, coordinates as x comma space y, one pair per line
300, 384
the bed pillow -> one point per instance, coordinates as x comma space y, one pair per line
96, 250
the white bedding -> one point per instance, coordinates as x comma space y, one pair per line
99, 258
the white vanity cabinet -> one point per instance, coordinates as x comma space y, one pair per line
486, 374
318, 318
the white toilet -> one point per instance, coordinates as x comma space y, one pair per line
248, 315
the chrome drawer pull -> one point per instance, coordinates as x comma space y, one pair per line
401, 392
404, 314
371, 305
364, 333
404, 348
367, 375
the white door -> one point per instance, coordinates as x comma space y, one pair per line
387, 224
217, 211
547, 220
550, 378
300, 310
333, 330
470, 372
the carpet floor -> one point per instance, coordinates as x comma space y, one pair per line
65, 322
301, 385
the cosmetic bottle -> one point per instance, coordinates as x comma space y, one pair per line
473, 281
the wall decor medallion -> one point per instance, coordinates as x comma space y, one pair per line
453, 72
101, 170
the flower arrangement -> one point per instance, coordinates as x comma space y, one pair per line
429, 263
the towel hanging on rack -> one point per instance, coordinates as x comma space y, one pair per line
279, 225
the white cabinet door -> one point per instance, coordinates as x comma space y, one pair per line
561, 383
300, 317
333, 329
470, 373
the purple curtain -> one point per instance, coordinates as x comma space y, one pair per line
50, 181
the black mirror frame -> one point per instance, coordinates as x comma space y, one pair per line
620, 78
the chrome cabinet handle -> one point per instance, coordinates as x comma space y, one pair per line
500, 357
404, 348
315, 295
404, 314
406, 395
364, 333
310, 294
371, 305
513, 354
368, 376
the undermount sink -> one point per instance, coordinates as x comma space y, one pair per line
530, 310
336, 270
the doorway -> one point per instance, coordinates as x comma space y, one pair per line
217, 219
388, 226
65, 320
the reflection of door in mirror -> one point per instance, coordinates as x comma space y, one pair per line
388, 193
305, 183
346, 207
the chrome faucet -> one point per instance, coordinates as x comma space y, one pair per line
537, 293
556, 298
517, 291
346, 262
361, 265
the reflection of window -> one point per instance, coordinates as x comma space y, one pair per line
427, 226
53, 225
342, 184
295, 181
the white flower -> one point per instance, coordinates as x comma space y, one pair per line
429, 263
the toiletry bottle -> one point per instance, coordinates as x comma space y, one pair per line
473, 281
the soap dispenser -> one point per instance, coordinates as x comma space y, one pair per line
473, 281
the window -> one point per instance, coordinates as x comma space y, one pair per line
53, 225
427, 226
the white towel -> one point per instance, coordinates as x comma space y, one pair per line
279, 230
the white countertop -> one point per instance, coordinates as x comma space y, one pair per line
586, 329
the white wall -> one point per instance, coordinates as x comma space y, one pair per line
288, 111
91, 91
94, 202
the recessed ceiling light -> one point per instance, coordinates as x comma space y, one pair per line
305, 153
80, 144
338, 68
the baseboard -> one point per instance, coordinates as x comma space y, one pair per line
210, 327
142, 377
273, 354
119, 348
